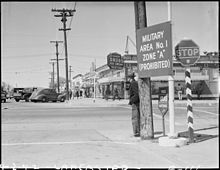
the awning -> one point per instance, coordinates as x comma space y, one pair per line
110, 79
177, 76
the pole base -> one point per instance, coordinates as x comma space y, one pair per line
174, 142
172, 135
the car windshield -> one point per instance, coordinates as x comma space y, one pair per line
18, 90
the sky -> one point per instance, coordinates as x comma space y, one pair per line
97, 29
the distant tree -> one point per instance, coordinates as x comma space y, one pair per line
5, 86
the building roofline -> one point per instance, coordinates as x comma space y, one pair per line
78, 75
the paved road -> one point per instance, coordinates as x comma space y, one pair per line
52, 134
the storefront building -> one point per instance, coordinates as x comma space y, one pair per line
204, 73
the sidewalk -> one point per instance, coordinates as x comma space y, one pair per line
99, 102
201, 154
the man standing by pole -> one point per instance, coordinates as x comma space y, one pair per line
134, 102
146, 119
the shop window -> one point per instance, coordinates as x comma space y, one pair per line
118, 74
204, 72
215, 73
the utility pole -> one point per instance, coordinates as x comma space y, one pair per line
52, 75
58, 81
70, 76
65, 13
51, 78
144, 84
171, 89
126, 46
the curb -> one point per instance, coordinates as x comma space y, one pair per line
88, 102
174, 142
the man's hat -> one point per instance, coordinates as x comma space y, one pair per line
131, 75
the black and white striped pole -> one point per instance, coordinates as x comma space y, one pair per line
189, 104
187, 52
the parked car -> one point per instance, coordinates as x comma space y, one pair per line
3, 96
18, 93
46, 95
23, 93
28, 92
62, 97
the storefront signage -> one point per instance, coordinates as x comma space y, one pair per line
115, 61
130, 60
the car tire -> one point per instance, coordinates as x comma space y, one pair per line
17, 100
62, 99
44, 99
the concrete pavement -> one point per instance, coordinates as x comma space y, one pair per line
99, 102
203, 153
110, 146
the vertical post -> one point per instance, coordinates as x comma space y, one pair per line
171, 106
94, 88
58, 82
70, 77
126, 46
189, 104
144, 84
126, 79
66, 58
53, 74
65, 13
70, 80
94, 96
52, 78
171, 90
163, 125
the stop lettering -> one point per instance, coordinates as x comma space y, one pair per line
187, 52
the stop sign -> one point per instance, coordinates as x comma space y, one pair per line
187, 52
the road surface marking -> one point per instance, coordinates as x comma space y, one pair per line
61, 143
211, 113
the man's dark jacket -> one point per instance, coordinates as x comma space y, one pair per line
134, 94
